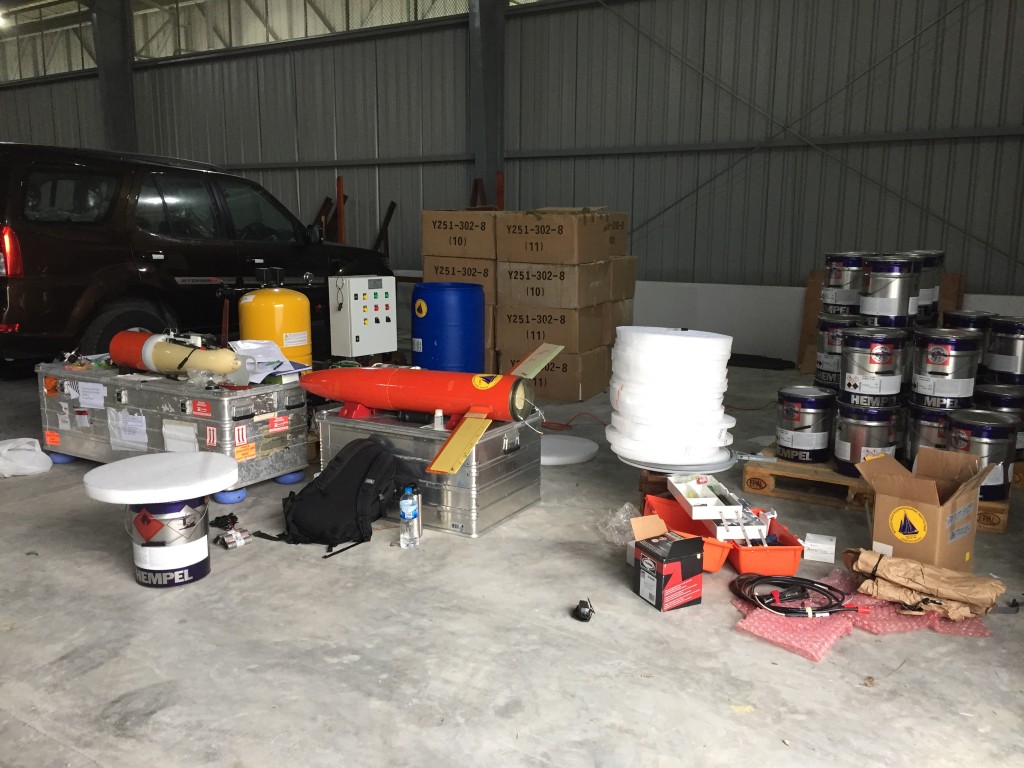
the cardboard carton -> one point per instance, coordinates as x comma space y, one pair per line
615, 313
563, 286
561, 235
461, 234
622, 283
578, 330
569, 377
929, 515
490, 361
667, 568
447, 269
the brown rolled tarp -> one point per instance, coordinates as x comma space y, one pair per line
919, 587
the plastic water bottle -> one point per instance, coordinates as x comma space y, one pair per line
409, 511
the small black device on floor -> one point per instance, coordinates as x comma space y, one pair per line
583, 611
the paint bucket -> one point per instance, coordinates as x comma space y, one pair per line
945, 366
169, 542
1004, 358
844, 278
448, 327
925, 426
890, 293
862, 433
992, 437
1003, 398
973, 320
871, 368
830, 347
929, 287
803, 424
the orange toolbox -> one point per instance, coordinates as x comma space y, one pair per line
675, 517
783, 559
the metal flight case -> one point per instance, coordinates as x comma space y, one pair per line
500, 477
96, 413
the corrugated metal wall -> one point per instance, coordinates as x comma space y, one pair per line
369, 110
608, 105
673, 110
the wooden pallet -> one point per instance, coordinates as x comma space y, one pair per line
814, 483
993, 516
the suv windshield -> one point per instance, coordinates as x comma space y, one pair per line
254, 215
68, 195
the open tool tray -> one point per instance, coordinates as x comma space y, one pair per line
704, 498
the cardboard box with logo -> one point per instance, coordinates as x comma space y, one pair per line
578, 330
667, 568
561, 286
448, 269
929, 515
561, 235
569, 377
459, 234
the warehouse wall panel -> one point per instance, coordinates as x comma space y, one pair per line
745, 137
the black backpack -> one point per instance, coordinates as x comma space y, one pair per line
351, 492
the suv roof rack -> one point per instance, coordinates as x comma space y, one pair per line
171, 162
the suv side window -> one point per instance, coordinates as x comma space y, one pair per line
68, 195
254, 214
176, 206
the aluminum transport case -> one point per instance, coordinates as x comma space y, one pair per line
97, 414
500, 477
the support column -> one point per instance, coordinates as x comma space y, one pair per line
486, 90
112, 34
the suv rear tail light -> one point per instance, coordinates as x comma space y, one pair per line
10, 254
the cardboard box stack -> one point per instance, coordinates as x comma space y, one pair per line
459, 247
563, 278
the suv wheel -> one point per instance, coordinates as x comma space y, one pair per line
122, 316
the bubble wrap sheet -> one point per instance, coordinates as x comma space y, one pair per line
814, 638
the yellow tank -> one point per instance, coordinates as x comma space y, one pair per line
280, 315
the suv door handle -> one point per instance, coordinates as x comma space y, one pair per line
254, 259
154, 256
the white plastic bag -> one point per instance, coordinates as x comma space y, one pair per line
22, 456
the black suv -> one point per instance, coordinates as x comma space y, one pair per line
94, 242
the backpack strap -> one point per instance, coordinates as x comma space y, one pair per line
378, 485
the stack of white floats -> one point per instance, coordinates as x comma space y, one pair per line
666, 391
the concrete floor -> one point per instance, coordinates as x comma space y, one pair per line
462, 653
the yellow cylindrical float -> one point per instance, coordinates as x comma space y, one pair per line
280, 315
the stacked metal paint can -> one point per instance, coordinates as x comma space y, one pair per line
899, 381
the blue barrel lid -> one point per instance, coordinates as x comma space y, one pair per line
808, 397
848, 258
827, 321
868, 414
959, 340
966, 318
866, 338
989, 425
999, 396
1007, 324
933, 415
893, 263
448, 287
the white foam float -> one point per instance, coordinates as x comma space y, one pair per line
666, 393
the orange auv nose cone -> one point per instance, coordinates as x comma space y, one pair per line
503, 397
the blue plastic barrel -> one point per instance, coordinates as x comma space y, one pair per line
448, 327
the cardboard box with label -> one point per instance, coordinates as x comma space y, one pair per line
447, 269
929, 515
667, 568
461, 234
622, 280
615, 313
562, 286
569, 377
561, 235
578, 330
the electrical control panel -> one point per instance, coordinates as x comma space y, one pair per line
363, 315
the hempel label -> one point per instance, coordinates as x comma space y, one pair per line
296, 339
872, 385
